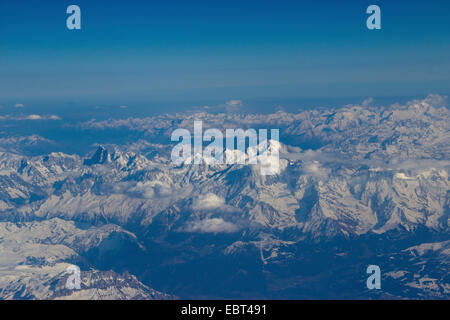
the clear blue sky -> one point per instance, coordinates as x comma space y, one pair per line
223, 49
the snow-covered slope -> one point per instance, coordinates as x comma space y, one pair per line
343, 174
34, 257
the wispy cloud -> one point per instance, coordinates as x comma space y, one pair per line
234, 106
144, 190
367, 102
235, 103
32, 117
212, 225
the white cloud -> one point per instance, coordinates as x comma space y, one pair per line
367, 102
434, 100
34, 117
123, 107
235, 103
144, 190
312, 166
19, 105
233, 106
209, 201
213, 225
39, 117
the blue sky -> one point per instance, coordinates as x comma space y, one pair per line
195, 50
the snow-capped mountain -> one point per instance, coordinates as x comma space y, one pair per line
344, 175
35, 257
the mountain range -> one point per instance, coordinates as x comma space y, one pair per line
357, 185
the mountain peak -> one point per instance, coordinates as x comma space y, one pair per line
99, 157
